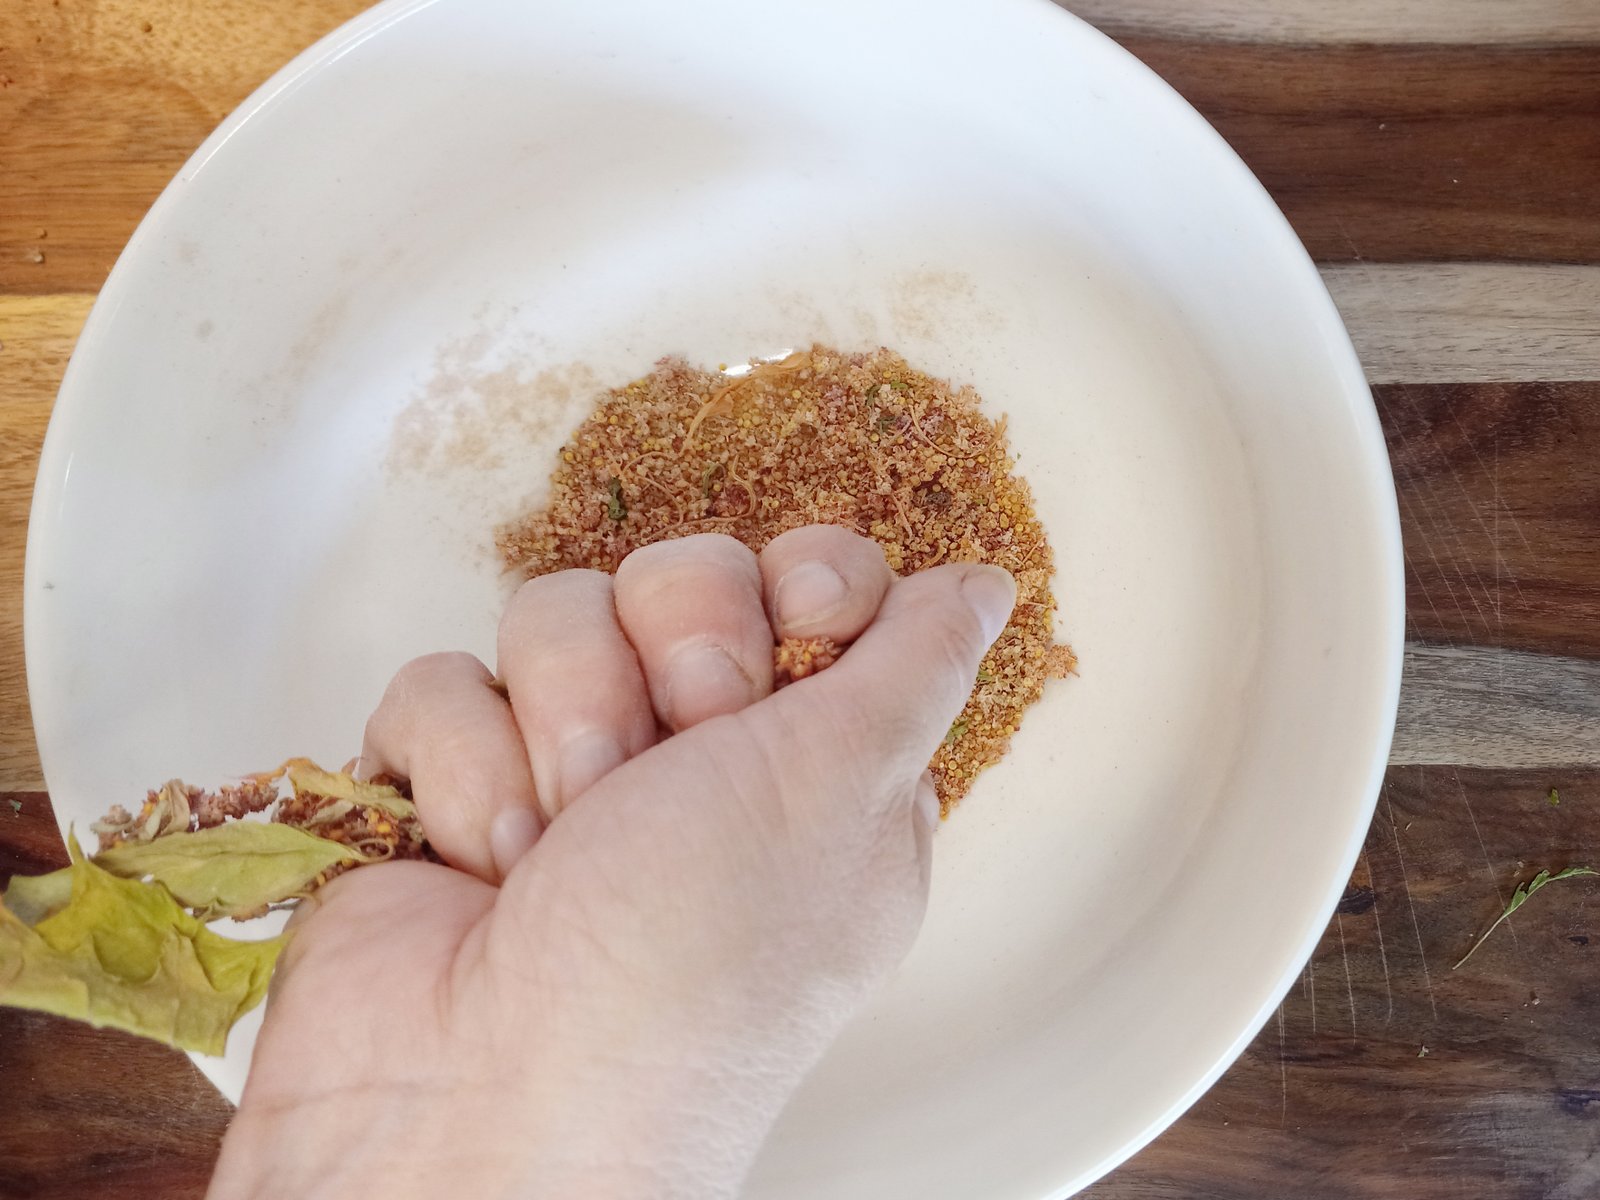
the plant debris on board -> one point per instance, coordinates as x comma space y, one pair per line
120, 938
1520, 897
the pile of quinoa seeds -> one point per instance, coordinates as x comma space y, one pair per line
822, 437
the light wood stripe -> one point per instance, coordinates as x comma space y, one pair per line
1487, 22
37, 334
1471, 322
1485, 707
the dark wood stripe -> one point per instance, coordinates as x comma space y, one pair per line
1409, 152
92, 1112
89, 1112
1506, 1091
1500, 510
1376, 152
1339, 1103
30, 840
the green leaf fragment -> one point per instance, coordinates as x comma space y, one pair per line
16, 807
125, 954
1520, 897
1554, 797
233, 870
616, 506
957, 732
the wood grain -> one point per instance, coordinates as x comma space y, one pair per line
1455, 142
1486, 22
87, 1112
1336, 1104
1500, 512
1503, 1104
1489, 707
1470, 322
1375, 152
36, 339
1406, 153
101, 101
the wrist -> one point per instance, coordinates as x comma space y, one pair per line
582, 1125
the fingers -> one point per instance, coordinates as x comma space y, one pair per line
575, 684
908, 675
823, 581
693, 610
442, 727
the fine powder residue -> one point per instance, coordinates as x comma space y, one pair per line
822, 437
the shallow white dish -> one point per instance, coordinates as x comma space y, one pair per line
345, 341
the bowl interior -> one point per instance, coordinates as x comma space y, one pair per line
347, 340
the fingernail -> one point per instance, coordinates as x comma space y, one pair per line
992, 593
704, 680
808, 592
581, 762
511, 836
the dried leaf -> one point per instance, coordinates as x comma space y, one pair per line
32, 898
308, 779
1520, 897
232, 870
168, 810
125, 954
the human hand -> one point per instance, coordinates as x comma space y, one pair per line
668, 887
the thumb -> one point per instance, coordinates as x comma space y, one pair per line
906, 678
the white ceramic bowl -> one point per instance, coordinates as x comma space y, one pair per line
347, 337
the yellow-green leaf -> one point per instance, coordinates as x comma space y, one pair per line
34, 897
231, 870
125, 954
309, 779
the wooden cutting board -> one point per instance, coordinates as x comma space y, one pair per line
1441, 160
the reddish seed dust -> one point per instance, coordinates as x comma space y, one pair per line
822, 437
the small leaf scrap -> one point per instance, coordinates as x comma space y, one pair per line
125, 954
1520, 897
232, 870
616, 506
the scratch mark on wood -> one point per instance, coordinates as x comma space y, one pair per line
1430, 499
1349, 988
1383, 957
1476, 509
1494, 882
1413, 574
1429, 494
1416, 926
1311, 968
1439, 571
1283, 1073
